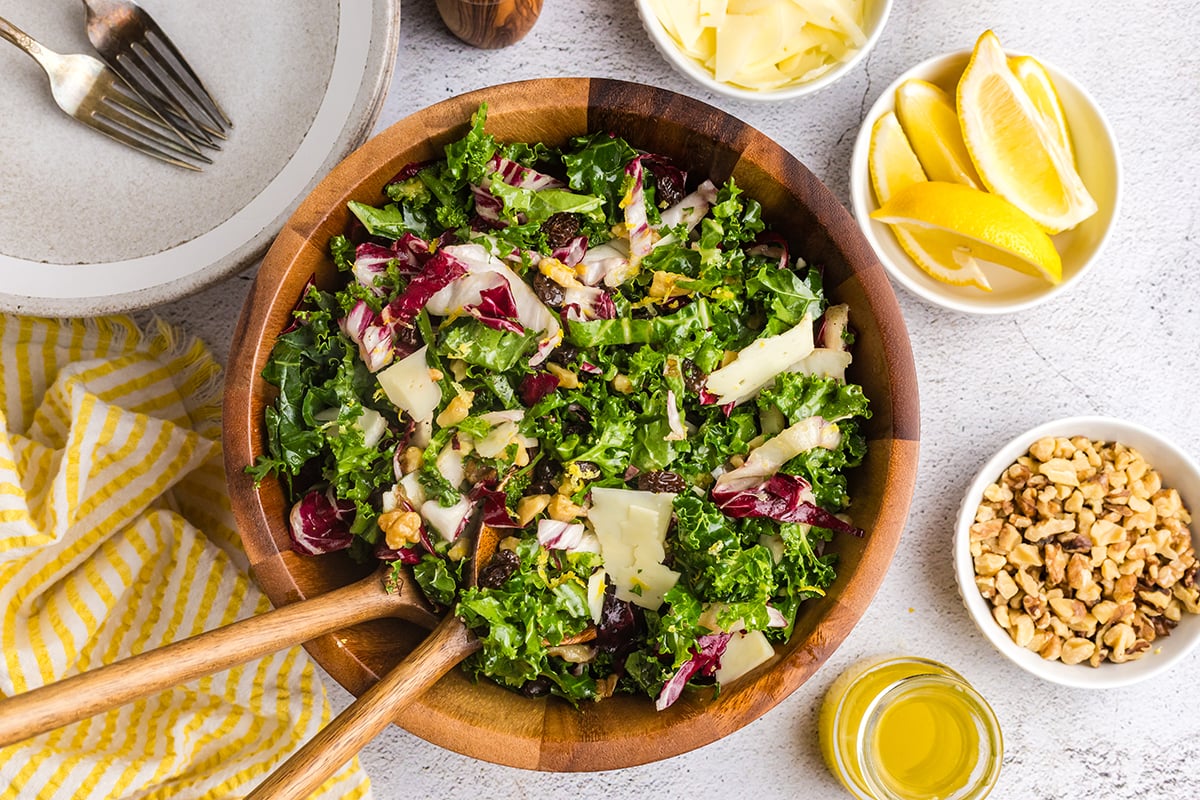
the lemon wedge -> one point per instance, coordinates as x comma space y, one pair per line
928, 117
894, 167
968, 222
1016, 152
1040, 88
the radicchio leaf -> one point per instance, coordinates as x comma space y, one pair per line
783, 498
704, 661
411, 252
410, 170
771, 245
319, 522
439, 272
555, 535
488, 207
536, 385
497, 309
522, 177
573, 253
294, 322
691, 209
495, 507
370, 264
636, 221
374, 339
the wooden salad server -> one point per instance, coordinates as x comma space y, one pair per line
365, 718
89, 693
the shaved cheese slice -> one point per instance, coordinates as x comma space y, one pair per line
764, 44
744, 652
759, 362
632, 529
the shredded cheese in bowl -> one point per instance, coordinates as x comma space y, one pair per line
763, 45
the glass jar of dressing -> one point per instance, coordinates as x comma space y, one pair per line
910, 729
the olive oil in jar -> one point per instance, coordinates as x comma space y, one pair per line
910, 729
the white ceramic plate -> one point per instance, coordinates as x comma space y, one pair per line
88, 226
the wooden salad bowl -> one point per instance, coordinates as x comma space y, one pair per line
482, 719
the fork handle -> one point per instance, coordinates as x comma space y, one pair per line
24, 41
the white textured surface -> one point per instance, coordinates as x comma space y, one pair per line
1124, 342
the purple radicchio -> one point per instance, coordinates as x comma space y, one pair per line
771, 245
691, 209
704, 661
496, 309
485, 271
374, 339
495, 507
570, 536
536, 385
320, 523
522, 177
573, 252
410, 170
439, 271
294, 322
783, 498
370, 264
637, 224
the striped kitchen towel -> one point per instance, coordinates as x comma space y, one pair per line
115, 538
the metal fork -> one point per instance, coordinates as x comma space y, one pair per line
96, 96
133, 45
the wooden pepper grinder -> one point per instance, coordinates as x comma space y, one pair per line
489, 23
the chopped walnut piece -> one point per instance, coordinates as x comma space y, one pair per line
1084, 554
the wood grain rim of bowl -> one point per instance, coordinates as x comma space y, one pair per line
482, 720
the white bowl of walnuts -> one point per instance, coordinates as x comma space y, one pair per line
1074, 552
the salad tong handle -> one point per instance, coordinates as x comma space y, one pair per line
365, 718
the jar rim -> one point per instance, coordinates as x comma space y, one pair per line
991, 739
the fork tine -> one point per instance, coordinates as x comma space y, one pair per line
124, 97
103, 126
158, 45
118, 115
147, 82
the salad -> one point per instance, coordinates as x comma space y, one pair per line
620, 368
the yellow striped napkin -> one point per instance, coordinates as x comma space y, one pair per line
116, 537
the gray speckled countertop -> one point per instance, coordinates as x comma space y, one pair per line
1123, 342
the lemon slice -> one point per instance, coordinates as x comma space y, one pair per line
1040, 88
929, 120
964, 221
894, 166
1016, 153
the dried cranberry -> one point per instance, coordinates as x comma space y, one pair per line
565, 354
560, 229
545, 477
587, 470
548, 291
667, 189
661, 480
538, 687
693, 377
503, 564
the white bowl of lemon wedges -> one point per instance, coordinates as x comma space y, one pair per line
987, 181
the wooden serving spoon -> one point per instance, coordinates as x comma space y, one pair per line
365, 718
89, 693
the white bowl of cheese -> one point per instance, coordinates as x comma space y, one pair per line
763, 49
